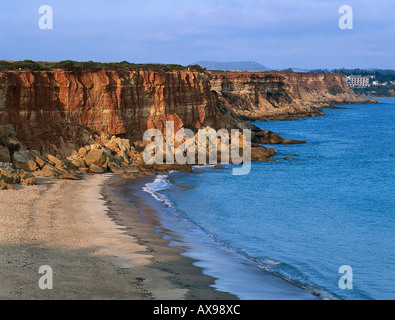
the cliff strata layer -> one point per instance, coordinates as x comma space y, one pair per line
280, 95
52, 109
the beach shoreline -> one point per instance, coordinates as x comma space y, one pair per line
103, 238
140, 221
234, 271
76, 228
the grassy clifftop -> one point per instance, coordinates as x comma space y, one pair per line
69, 65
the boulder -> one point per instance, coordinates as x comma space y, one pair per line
133, 156
114, 168
268, 137
112, 146
23, 160
58, 163
105, 165
275, 139
96, 157
148, 172
96, 146
50, 170
128, 176
4, 154
172, 167
139, 160
5, 186
116, 159
272, 152
82, 152
9, 176
130, 168
133, 168
259, 154
84, 170
118, 144
95, 169
40, 162
287, 141
124, 145
79, 163
107, 152
71, 176
123, 156
20, 160
27, 179
32, 165
73, 156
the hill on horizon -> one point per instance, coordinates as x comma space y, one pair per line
236, 65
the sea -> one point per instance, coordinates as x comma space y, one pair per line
323, 222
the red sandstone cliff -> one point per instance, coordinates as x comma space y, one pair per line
52, 109
280, 95
57, 111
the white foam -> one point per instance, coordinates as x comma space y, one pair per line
161, 182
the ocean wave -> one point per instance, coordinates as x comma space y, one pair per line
200, 166
276, 268
161, 182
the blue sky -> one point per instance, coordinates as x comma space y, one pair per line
276, 33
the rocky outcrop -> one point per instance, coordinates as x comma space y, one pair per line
269, 137
280, 95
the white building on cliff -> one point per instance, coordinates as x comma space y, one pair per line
358, 81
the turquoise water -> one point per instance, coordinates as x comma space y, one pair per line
303, 219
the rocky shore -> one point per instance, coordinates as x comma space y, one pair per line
19, 165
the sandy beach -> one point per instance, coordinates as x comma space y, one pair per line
95, 243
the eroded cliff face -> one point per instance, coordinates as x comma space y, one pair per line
280, 95
61, 109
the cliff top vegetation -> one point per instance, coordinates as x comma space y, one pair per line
69, 65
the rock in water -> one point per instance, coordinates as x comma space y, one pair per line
114, 168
